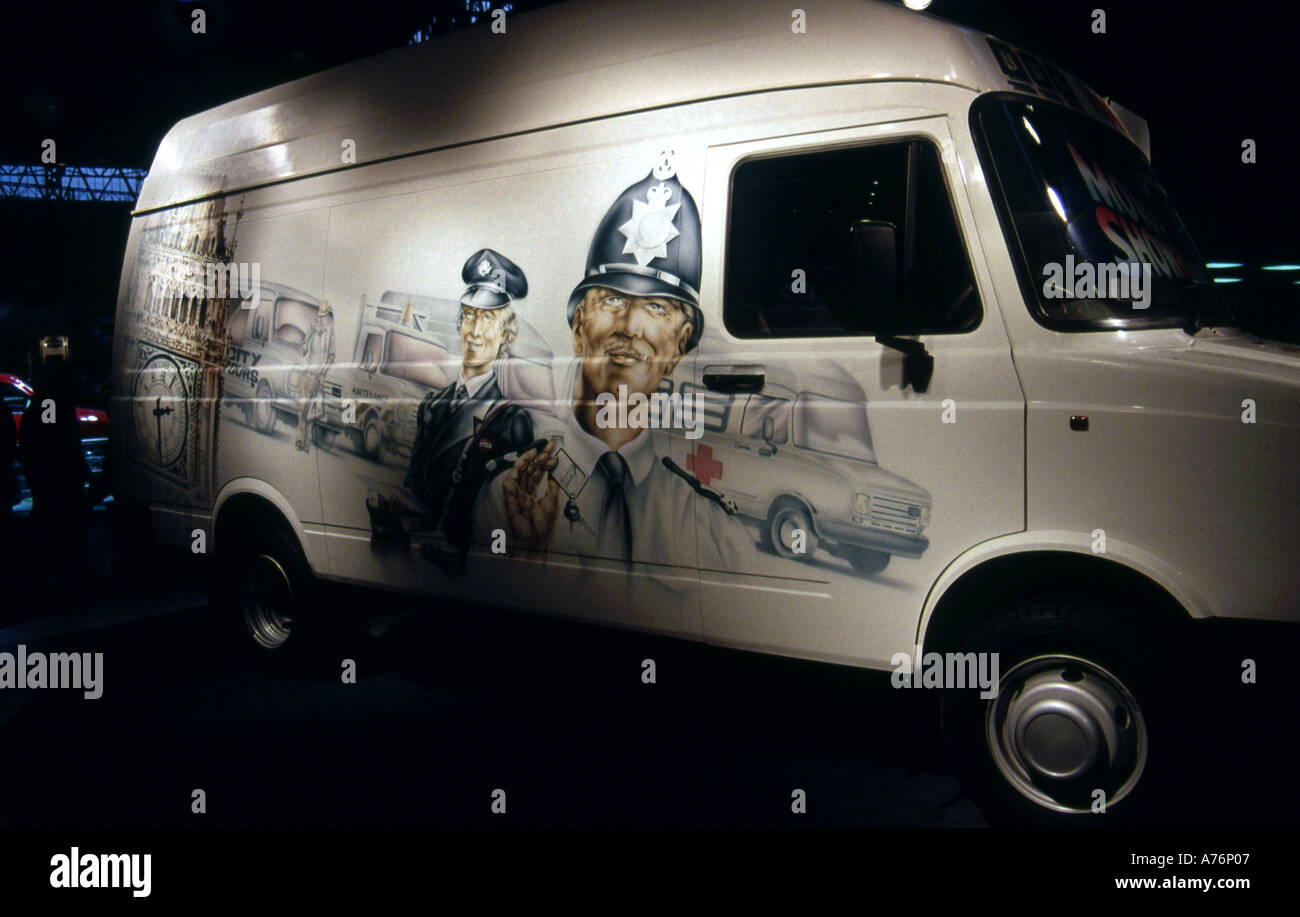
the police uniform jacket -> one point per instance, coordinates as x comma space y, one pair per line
670, 522
440, 440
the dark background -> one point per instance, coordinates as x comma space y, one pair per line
106, 81
452, 705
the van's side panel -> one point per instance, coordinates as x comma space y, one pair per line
958, 448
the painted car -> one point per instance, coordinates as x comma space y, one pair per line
93, 423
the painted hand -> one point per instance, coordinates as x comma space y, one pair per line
531, 518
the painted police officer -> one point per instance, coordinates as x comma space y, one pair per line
615, 492
318, 354
463, 429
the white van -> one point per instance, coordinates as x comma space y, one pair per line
871, 212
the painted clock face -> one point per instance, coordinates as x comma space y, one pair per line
160, 410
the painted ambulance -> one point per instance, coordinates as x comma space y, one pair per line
405, 346
801, 468
864, 193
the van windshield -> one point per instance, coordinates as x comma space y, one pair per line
832, 426
415, 360
1089, 216
293, 319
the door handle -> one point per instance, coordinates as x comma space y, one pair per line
734, 382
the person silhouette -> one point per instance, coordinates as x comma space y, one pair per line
8, 485
55, 466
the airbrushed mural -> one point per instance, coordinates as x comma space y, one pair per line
180, 294
471, 433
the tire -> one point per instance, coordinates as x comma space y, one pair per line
370, 440
264, 596
1080, 707
264, 413
783, 520
867, 561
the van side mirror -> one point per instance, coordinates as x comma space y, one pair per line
769, 433
874, 254
875, 289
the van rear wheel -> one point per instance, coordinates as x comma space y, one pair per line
264, 593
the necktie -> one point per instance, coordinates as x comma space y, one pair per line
460, 397
615, 518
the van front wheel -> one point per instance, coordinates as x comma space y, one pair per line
264, 413
370, 439
790, 532
1077, 721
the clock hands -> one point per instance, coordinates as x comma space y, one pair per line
158, 412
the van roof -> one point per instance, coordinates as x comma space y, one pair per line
557, 65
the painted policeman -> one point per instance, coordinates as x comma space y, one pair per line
463, 429
318, 353
602, 490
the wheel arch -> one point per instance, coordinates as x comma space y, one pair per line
795, 499
992, 576
250, 501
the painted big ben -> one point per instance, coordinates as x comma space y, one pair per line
175, 344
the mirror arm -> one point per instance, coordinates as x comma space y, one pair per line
902, 345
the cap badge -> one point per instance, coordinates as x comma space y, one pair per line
651, 227
484, 268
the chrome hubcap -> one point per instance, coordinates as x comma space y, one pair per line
372, 439
1061, 728
267, 602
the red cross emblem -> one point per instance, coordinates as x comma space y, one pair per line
702, 465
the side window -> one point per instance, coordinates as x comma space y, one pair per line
760, 407
237, 325
372, 352
415, 360
261, 321
858, 241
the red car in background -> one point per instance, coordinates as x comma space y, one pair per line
16, 393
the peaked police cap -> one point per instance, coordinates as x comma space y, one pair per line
494, 280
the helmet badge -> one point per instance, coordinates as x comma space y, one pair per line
651, 227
